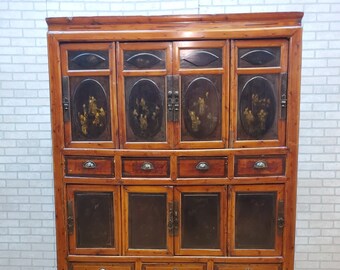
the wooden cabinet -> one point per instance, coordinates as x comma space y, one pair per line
175, 141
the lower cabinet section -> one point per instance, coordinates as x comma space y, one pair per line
173, 266
102, 266
247, 267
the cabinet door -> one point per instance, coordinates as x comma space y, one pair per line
202, 68
146, 215
200, 220
93, 219
142, 95
88, 95
259, 93
256, 220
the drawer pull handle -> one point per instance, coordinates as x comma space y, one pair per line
202, 166
89, 164
147, 166
260, 164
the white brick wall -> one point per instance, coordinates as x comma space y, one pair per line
26, 188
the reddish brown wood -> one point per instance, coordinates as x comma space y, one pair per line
248, 266
79, 166
248, 166
202, 167
145, 167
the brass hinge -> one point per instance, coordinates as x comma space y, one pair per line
284, 83
70, 218
173, 97
66, 98
280, 217
173, 219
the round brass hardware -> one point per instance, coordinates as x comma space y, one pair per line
89, 164
202, 166
260, 164
147, 166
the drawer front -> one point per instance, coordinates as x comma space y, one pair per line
104, 266
260, 166
247, 267
145, 167
202, 167
174, 266
89, 166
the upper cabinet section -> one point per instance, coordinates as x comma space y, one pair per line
175, 82
258, 92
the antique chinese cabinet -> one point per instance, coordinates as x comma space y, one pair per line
175, 141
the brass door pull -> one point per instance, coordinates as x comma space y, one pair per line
89, 164
202, 166
147, 166
260, 164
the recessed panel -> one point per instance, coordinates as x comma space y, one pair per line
82, 60
94, 219
200, 220
90, 110
145, 60
255, 220
259, 57
145, 109
147, 221
201, 58
201, 108
257, 111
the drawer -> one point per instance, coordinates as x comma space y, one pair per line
89, 166
259, 165
103, 266
145, 167
174, 266
202, 167
247, 267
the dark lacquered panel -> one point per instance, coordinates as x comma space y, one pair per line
94, 219
145, 115
258, 107
90, 109
144, 60
201, 58
259, 57
255, 220
201, 108
82, 60
200, 220
147, 220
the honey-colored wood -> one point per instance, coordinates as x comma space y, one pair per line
233, 251
179, 250
125, 219
170, 163
116, 226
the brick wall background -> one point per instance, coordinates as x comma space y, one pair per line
27, 232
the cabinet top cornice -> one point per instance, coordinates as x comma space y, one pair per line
277, 19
